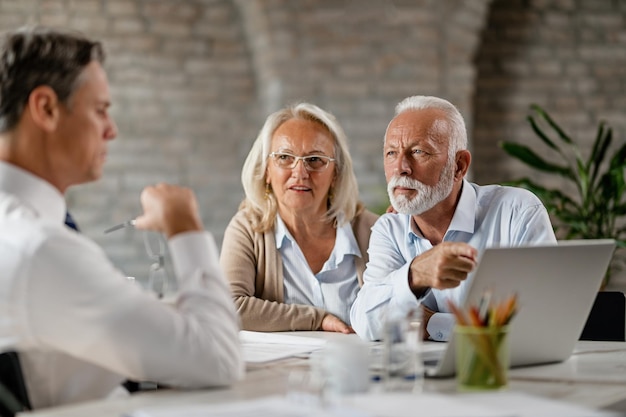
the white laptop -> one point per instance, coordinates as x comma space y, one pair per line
556, 286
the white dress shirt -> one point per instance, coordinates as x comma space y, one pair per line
334, 287
81, 327
486, 216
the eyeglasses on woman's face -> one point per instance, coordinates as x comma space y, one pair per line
314, 163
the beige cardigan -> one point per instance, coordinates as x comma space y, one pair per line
254, 268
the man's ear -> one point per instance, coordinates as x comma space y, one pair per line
43, 106
463, 160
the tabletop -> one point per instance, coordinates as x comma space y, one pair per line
594, 377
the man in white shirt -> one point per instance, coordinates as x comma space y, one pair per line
80, 326
425, 253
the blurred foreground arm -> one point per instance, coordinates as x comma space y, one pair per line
124, 329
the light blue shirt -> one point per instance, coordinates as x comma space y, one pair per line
335, 287
486, 216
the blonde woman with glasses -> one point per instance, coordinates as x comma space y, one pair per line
296, 250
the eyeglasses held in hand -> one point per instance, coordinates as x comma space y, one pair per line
286, 160
155, 248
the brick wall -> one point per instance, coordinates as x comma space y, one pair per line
569, 56
193, 80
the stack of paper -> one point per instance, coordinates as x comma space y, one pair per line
261, 347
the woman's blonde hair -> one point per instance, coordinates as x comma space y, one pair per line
261, 207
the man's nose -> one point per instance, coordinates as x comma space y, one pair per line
111, 131
403, 165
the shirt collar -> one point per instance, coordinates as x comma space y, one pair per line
45, 200
345, 241
280, 232
465, 212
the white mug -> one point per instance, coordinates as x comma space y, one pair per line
345, 366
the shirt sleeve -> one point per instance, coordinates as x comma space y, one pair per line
385, 292
440, 326
533, 226
78, 303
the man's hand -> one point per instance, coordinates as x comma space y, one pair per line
444, 266
169, 209
331, 323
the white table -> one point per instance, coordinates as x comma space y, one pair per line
595, 377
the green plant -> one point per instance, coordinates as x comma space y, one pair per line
597, 209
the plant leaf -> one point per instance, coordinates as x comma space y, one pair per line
618, 161
583, 182
600, 146
597, 210
526, 155
564, 137
541, 134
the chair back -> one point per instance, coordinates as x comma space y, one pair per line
607, 319
13, 393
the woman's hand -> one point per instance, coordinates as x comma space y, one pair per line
331, 323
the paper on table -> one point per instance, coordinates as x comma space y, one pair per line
259, 347
429, 352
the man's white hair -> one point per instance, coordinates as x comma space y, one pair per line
458, 139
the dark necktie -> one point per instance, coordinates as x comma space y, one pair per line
69, 221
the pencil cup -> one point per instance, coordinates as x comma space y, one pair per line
482, 357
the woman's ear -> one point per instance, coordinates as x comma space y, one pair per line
43, 106
463, 160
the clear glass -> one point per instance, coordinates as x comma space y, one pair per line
403, 368
482, 357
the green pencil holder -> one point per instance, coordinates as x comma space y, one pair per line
482, 357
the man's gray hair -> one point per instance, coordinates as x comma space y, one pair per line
458, 140
33, 56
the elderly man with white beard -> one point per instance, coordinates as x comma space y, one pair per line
425, 252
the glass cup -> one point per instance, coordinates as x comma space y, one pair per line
402, 366
482, 357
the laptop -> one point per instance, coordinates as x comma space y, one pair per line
556, 286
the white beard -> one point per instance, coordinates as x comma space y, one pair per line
427, 196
